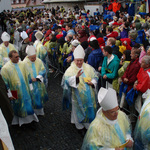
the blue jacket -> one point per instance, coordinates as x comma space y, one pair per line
110, 70
95, 58
131, 10
124, 33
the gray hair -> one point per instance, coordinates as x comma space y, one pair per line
70, 36
146, 59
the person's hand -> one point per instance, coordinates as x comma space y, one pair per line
12, 98
130, 144
126, 80
99, 68
90, 83
121, 28
80, 72
142, 48
43, 30
104, 77
119, 148
33, 79
121, 61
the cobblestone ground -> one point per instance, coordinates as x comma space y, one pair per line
54, 131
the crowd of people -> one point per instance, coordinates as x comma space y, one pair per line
107, 52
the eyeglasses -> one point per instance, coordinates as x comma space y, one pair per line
114, 112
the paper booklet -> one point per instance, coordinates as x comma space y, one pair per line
87, 79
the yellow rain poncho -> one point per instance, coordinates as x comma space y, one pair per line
4, 51
105, 135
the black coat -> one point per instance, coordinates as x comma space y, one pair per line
5, 102
115, 50
1, 146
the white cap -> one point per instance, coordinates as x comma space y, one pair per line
40, 28
79, 52
5, 37
75, 43
92, 39
32, 23
30, 50
76, 16
38, 35
24, 35
107, 98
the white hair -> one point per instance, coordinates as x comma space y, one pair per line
146, 59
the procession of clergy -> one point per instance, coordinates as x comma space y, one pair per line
108, 128
24, 81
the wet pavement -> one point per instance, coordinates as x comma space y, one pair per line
54, 130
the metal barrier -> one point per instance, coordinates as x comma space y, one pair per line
54, 63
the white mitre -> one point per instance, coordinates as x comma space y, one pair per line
38, 35
24, 35
30, 50
5, 37
75, 43
107, 98
79, 52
